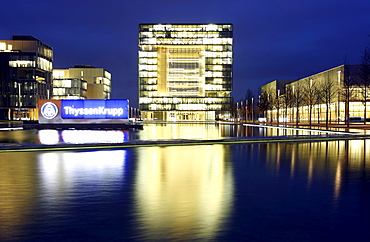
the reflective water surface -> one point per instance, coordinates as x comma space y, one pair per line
167, 131
246, 192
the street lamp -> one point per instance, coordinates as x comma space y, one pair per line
278, 106
252, 111
338, 99
19, 101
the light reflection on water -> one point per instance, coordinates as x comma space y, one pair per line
150, 132
263, 192
183, 193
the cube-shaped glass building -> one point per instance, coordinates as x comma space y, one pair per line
185, 71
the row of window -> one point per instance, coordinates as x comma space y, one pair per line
207, 54
41, 63
150, 64
187, 100
183, 107
185, 27
68, 83
69, 92
16, 100
209, 80
187, 34
187, 41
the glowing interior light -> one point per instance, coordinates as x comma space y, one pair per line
92, 136
48, 137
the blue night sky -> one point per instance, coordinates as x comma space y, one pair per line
273, 39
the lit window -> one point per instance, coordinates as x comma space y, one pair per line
211, 27
22, 63
58, 74
217, 48
217, 68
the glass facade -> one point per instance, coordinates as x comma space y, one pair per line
336, 95
185, 71
82, 81
69, 88
26, 66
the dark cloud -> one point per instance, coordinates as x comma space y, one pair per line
273, 39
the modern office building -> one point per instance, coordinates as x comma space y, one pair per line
26, 66
185, 71
68, 88
333, 95
80, 82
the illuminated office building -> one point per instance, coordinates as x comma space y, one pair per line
26, 66
80, 82
68, 88
333, 95
185, 71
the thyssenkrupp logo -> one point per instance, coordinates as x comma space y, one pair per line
49, 110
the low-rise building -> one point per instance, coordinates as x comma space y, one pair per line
82, 81
69, 88
334, 95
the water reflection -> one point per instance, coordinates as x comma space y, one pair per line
82, 136
61, 172
150, 132
337, 160
183, 193
19, 136
259, 191
180, 131
17, 192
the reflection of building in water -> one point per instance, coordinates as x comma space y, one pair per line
65, 173
180, 131
49, 136
337, 159
17, 191
193, 184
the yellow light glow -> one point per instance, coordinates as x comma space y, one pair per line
192, 187
176, 60
22, 63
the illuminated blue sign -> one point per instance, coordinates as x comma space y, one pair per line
94, 109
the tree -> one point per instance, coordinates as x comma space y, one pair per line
249, 101
264, 103
347, 91
328, 91
310, 96
287, 101
364, 78
277, 105
298, 98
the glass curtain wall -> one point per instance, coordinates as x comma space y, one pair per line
185, 71
26, 66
